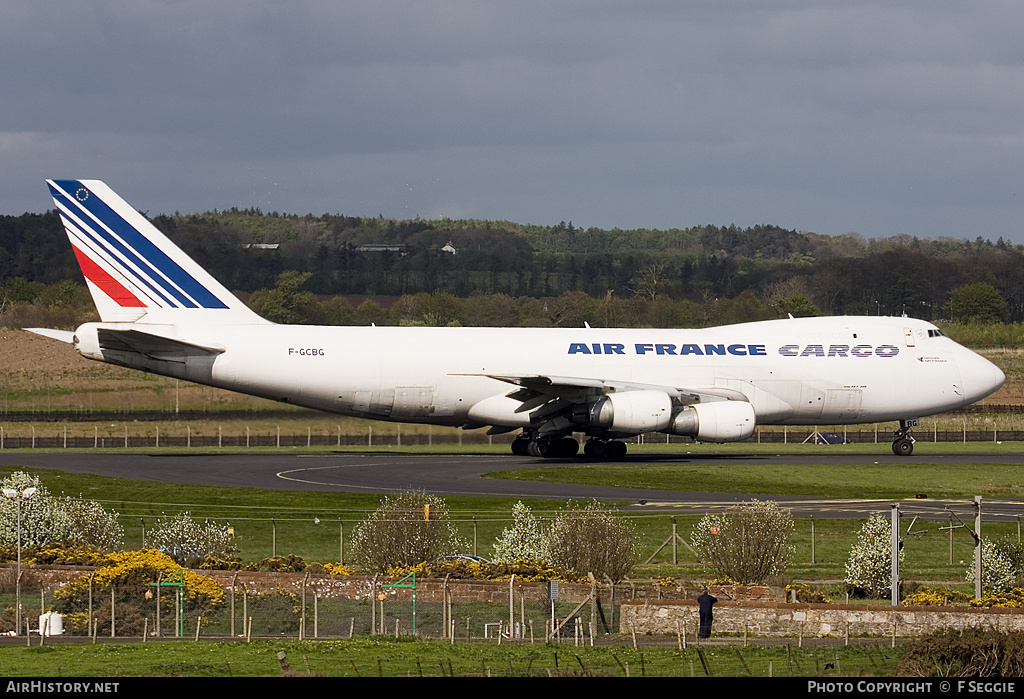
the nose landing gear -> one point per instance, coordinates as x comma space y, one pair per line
903, 443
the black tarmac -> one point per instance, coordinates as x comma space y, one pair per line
462, 474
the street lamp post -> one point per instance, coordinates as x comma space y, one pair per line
18, 496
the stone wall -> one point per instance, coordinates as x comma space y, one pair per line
778, 619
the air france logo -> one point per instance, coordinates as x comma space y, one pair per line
642, 348
735, 349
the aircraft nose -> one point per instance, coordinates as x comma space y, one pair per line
980, 377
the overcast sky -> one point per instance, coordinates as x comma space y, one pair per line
834, 116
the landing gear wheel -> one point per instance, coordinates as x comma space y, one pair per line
539, 448
600, 449
903, 443
616, 450
567, 447
595, 449
904, 446
521, 446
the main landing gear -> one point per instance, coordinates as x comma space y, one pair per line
611, 449
903, 443
566, 447
545, 448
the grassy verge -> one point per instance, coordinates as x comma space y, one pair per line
960, 479
414, 658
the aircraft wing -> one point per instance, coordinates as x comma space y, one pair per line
578, 389
556, 403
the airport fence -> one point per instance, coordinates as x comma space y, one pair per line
316, 609
41, 439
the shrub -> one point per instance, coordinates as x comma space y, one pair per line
806, 593
220, 562
964, 653
747, 544
131, 573
462, 569
927, 597
591, 539
279, 564
1009, 598
406, 529
58, 553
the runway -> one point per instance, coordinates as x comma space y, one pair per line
462, 475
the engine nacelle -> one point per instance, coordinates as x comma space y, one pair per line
633, 412
719, 421
499, 410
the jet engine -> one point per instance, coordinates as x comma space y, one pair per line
633, 412
719, 421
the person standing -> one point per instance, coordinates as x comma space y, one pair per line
704, 603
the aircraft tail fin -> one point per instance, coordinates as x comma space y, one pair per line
133, 271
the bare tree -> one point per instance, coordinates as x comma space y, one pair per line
406, 529
747, 544
592, 539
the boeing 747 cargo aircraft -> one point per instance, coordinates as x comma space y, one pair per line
161, 312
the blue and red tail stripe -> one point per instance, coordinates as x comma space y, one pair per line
106, 283
106, 233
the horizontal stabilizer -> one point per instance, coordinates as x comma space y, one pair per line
153, 346
62, 335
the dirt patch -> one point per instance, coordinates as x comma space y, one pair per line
22, 351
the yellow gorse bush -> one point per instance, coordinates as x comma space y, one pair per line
1011, 599
140, 568
464, 569
928, 597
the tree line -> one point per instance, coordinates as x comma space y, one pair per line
503, 269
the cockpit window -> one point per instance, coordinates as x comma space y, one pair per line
933, 332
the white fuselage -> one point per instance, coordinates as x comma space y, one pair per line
808, 371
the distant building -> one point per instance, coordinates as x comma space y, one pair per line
378, 247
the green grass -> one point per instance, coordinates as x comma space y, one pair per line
375, 657
262, 517
872, 481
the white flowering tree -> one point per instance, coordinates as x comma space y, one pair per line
524, 540
185, 538
47, 518
998, 571
869, 567
747, 544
